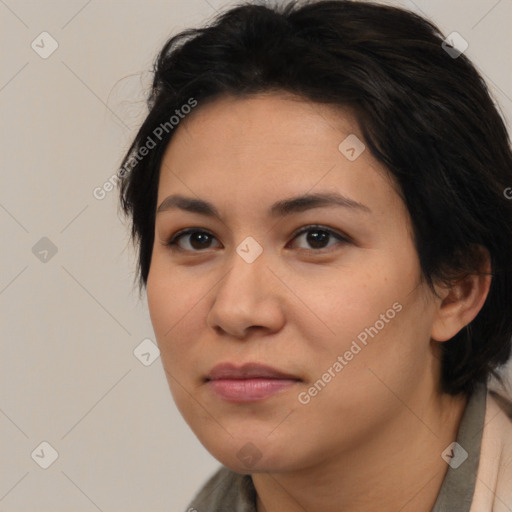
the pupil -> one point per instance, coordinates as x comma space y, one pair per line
199, 236
315, 240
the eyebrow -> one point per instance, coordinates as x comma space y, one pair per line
279, 209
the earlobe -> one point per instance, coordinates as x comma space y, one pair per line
461, 303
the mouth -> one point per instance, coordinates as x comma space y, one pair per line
248, 383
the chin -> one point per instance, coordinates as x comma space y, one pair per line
254, 456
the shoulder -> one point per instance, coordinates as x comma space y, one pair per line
498, 419
493, 489
224, 490
499, 427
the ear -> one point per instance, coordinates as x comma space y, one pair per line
462, 301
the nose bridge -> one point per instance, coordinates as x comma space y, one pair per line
243, 298
248, 272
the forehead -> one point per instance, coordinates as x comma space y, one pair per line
281, 123
259, 149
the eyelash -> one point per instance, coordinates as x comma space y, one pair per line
172, 243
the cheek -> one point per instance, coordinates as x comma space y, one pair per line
159, 298
381, 356
378, 305
357, 298
173, 306
172, 302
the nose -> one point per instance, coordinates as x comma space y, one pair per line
249, 297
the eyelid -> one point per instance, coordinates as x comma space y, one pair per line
310, 227
304, 229
171, 243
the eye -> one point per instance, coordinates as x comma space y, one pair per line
200, 239
318, 236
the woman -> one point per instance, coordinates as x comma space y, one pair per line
319, 200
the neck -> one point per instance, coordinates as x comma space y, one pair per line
399, 468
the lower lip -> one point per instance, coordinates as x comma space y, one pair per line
248, 390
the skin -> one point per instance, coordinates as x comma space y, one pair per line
372, 438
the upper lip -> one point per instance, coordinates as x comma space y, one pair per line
247, 371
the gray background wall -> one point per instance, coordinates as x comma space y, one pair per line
71, 319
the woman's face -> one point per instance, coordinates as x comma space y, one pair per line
340, 308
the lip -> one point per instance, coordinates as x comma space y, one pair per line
249, 383
247, 371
